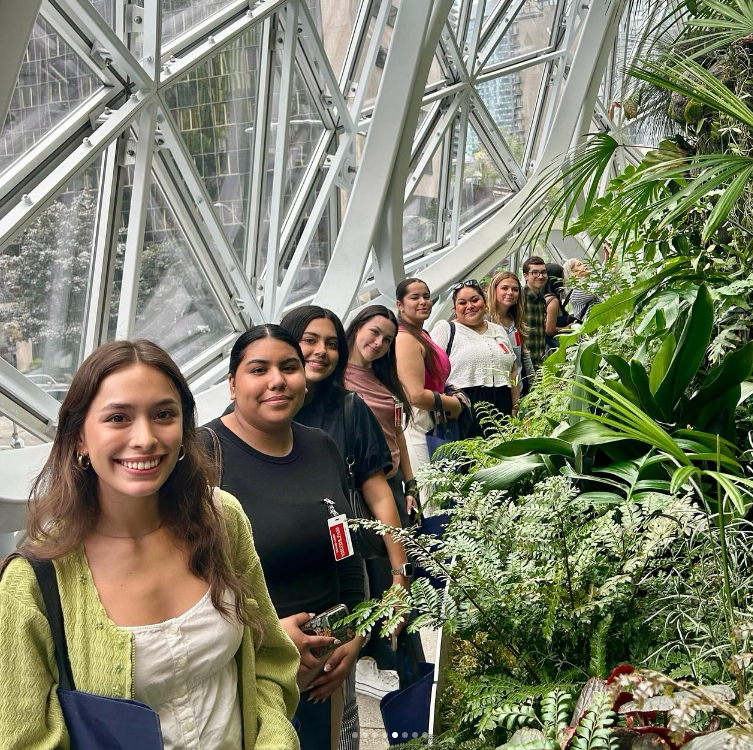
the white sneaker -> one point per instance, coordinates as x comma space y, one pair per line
370, 680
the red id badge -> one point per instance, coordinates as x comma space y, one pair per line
342, 544
398, 413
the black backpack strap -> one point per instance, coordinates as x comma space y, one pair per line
349, 425
453, 328
47, 580
216, 452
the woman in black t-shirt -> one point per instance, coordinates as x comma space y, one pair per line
290, 480
325, 350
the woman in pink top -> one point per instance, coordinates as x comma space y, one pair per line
372, 374
423, 367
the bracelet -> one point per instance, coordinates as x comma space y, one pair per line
411, 484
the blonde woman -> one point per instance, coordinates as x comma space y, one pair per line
507, 307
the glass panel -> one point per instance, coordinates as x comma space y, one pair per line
551, 103
14, 436
215, 109
454, 18
306, 129
176, 306
422, 209
44, 283
530, 31
311, 272
106, 9
511, 101
376, 76
53, 81
483, 184
334, 20
435, 72
178, 16
489, 8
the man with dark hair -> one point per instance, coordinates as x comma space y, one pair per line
534, 273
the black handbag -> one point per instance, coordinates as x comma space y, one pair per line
370, 543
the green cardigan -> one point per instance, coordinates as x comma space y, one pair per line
101, 654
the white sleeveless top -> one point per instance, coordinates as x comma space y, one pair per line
185, 670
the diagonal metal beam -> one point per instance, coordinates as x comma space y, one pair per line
362, 215
511, 11
279, 176
109, 47
312, 38
601, 23
140, 193
448, 117
227, 256
459, 182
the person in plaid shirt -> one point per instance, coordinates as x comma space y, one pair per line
534, 273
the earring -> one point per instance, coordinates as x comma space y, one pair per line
181, 453
83, 461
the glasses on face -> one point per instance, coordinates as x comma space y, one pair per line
536, 273
468, 282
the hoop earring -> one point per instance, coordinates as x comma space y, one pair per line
83, 461
181, 453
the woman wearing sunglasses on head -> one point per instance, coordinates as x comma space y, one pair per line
291, 482
483, 362
163, 599
423, 367
322, 339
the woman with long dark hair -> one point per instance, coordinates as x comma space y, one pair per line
322, 339
163, 598
290, 481
483, 362
372, 374
423, 367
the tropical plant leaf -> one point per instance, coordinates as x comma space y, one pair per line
556, 446
661, 362
689, 353
507, 472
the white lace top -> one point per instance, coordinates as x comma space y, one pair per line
185, 670
477, 358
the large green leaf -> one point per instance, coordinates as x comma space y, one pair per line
507, 472
589, 432
622, 368
735, 368
623, 303
586, 363
661, 362
520, 447
689, 353
727, 201
641, 381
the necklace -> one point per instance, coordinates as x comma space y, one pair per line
128, 536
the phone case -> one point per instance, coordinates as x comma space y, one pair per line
324, 624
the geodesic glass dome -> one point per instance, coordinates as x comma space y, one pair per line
178, 170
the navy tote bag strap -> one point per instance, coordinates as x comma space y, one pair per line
47, 580
44, 570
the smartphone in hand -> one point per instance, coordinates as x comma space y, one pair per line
328, 624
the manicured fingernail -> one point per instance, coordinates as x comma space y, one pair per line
327, 667
336, 643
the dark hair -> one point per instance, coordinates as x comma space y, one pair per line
385, 368
554, 283
64, 505
332, 388
256, 333
534, 260
457, 289
431, 362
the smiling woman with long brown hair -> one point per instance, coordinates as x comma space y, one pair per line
162, 593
